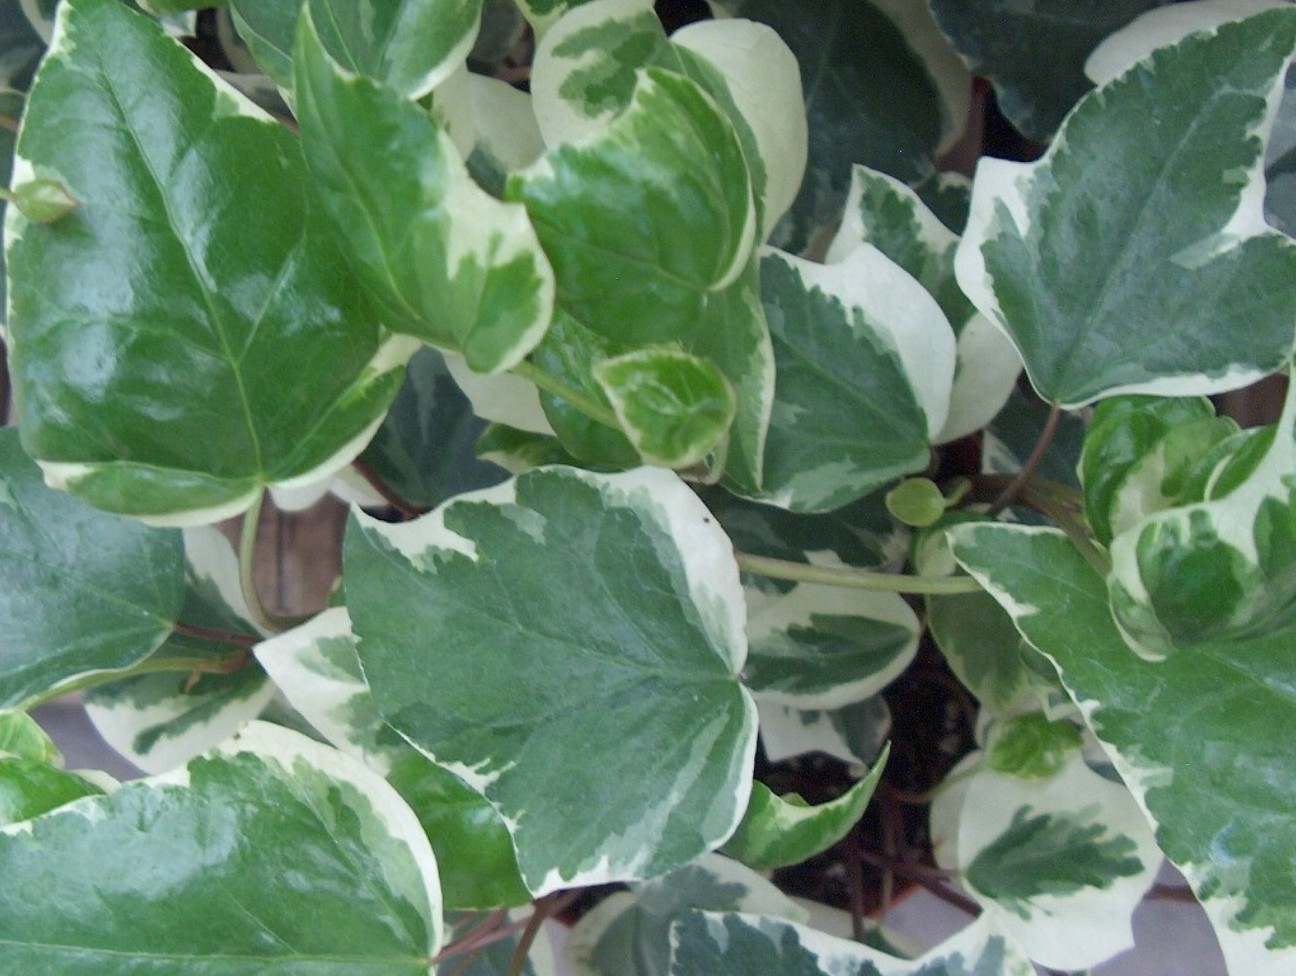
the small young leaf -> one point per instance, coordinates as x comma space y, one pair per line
216, 843
778, 831
125, 580
634, 669
42, 201
1146, 209
917, 502
675, 408
29, 787
22, 738
446, 262
1031, 746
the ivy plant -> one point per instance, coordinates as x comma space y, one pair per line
687, 409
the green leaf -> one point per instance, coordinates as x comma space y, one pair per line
318, 670
855, 733
628, 933
267, 27
424, 449
1209, 763
823, 646
705, 943
1031, 746
124, 580
593, 617
230, 349
1061, 861
541, 14
865, 360
409, 46
196, 864
647, 219
883, 212
161, 7
29, 787
473, 849
21, 737
1146, 209
1144, 454
1220, 571
160, 721
778, 831
445, 261
675, 408
1033, 52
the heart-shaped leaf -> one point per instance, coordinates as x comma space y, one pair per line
597, 618
1134, 257
199, 344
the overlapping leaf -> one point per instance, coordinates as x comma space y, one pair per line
203, 339
160, 721
218, 843
445, 261
1033, 52
649, 218
317, 668
565, 615
1061, 860
706, 943
865, 362
1209, 763
777, 831
80, 590
1134, 257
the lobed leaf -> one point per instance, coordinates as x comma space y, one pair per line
617, 598
1146, 210
1208, 764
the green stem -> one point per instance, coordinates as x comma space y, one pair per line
578, 400
854, 578
225, 664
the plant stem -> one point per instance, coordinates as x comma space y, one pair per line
226, 664
217, 636
544, 908
578, 400
853, 577
1032, 463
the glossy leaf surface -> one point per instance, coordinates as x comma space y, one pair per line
777, 831
204, 340
1146, 209
633, 667
445, 262
267, 27
124, 580
705, 943
296, 859
644, 221
1218, 780
865, 361
29, 788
